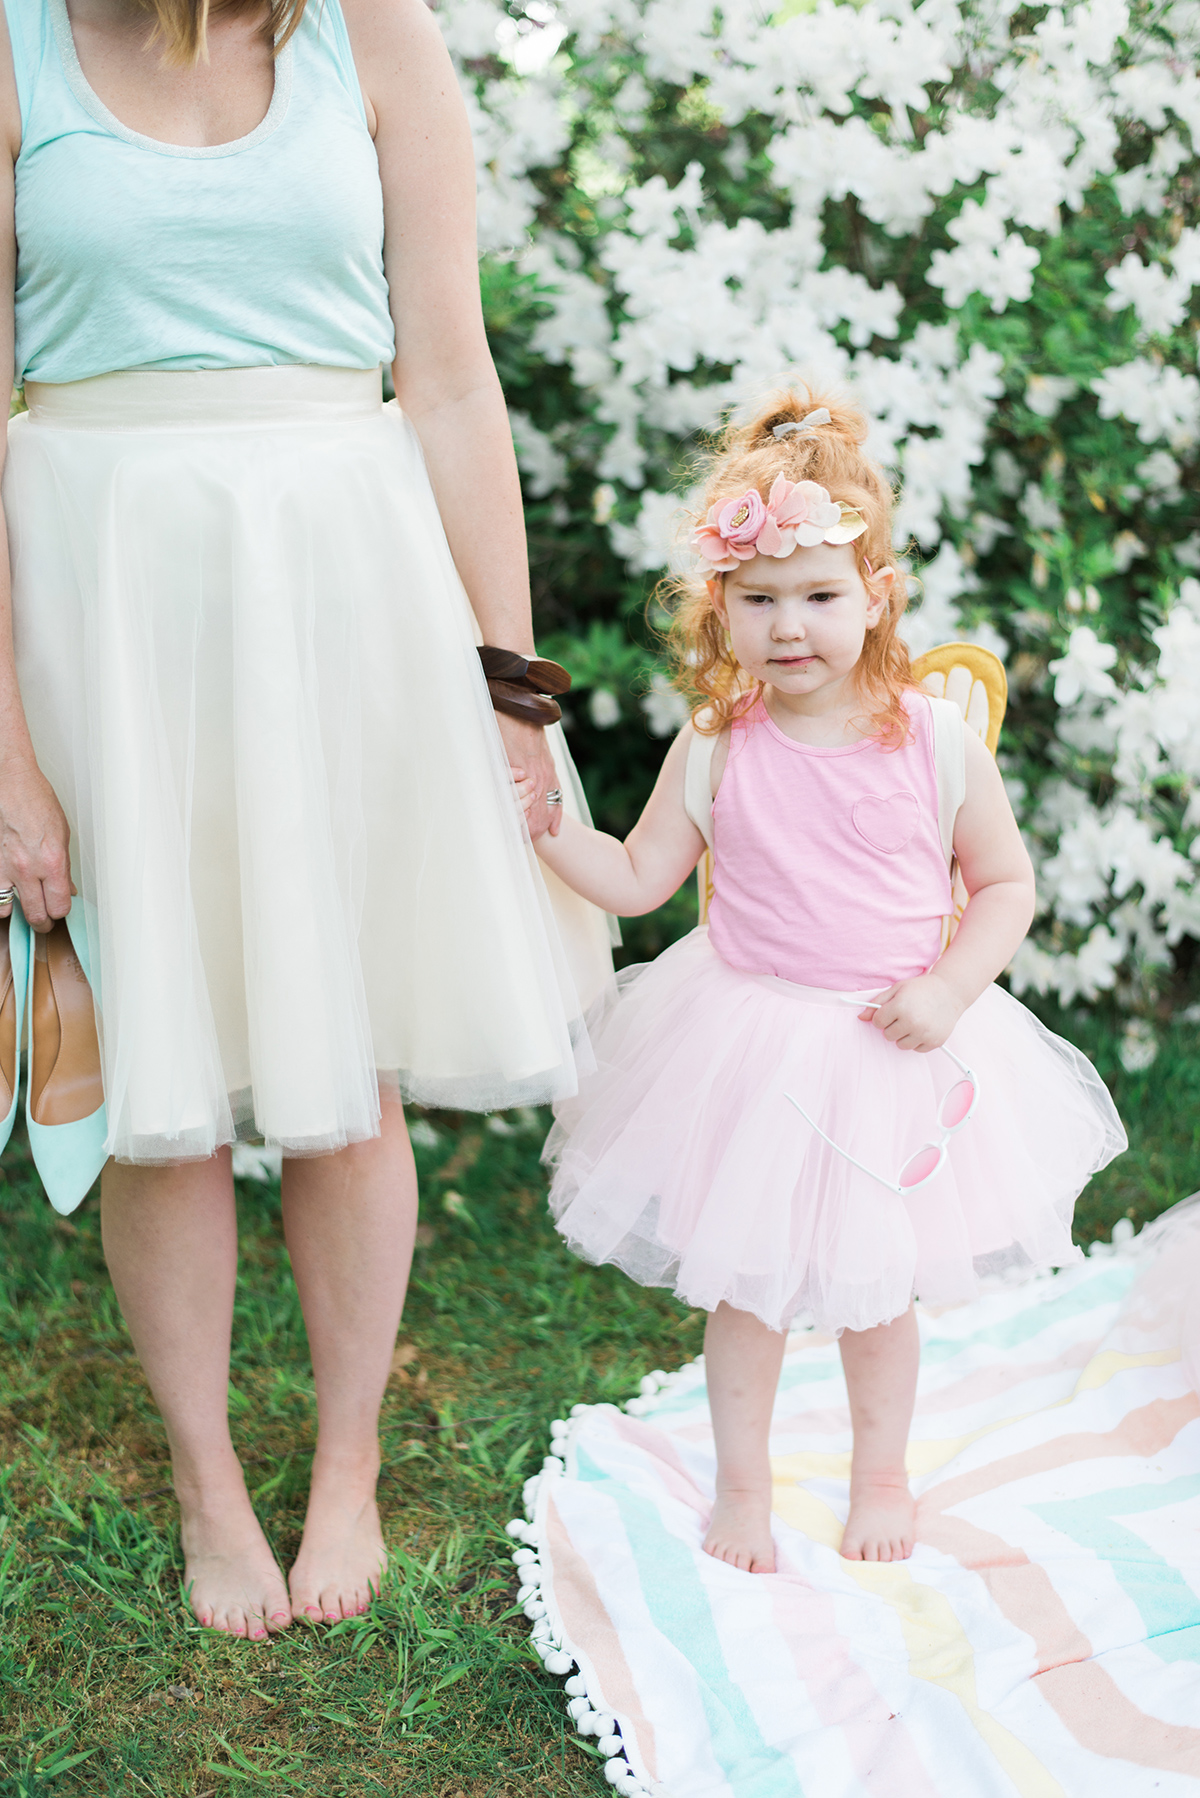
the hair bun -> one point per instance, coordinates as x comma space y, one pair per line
791, 416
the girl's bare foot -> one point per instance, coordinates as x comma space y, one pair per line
740, 1531
232, 1579
342, 1557
882, 1521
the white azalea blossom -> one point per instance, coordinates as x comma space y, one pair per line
1160, 400
1001, 272
1045, 394
604, 708
1084, 668
1159, 299
1041, 511
657, 538
666, 709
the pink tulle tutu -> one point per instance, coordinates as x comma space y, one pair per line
682, 1162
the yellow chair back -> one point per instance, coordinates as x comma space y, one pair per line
975, 680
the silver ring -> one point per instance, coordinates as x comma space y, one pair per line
554, 796
7, 895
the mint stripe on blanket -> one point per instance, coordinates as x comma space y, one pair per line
679, 1607
798, 1370
1090, 1295
1168, 1606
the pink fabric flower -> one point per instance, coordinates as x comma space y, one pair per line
802, 513
796, 513
730, 532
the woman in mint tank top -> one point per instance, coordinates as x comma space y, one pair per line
244, 719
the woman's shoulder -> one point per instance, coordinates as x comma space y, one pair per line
404, 70
21, 30
379, 29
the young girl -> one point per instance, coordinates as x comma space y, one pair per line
811, 1106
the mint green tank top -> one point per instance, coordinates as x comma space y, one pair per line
137, 254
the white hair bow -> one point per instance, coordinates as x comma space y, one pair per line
806, 426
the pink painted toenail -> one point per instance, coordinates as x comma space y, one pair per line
281, 1616
333, 1616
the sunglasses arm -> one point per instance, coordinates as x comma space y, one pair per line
869, 1171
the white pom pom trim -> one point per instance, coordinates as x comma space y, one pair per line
589, 1719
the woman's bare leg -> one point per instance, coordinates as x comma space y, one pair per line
349, 1219
742, 1358
170, 1237
881, 1377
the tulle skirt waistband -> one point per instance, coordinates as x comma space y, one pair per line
815, 995
193, 398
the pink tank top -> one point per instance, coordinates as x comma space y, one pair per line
828, 862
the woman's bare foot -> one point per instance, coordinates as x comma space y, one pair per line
342, 1557
740, 1531
882, 1521
232, 1579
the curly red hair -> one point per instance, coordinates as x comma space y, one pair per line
750, 455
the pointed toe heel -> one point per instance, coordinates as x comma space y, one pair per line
14, 974
64, 1095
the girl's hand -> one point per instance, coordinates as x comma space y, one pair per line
527, 792
34, 846
916, 1014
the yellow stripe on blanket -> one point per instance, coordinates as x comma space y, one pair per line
1110, 1362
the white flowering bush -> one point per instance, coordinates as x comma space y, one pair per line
984, 219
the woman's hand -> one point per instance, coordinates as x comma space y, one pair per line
531, 761
34, 846
916, 1014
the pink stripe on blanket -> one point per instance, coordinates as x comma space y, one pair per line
589, 1627
1089, 1702
879, 1745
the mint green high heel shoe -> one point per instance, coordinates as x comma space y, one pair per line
14, 980
64, 1095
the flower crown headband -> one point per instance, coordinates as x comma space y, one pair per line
796, 513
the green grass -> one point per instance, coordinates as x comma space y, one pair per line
436, 1691
106, 1687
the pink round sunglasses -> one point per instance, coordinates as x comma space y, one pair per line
956, 1109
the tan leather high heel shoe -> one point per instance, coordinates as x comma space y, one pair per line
8, 1021
65, 1083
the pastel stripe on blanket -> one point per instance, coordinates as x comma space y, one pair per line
1042, 1642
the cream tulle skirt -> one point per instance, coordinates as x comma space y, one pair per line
250, 675
682, 1161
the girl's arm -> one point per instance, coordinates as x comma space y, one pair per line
445, 379
34, 838
653, 862
921, 1013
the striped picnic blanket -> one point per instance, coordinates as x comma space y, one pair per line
1044, 1639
